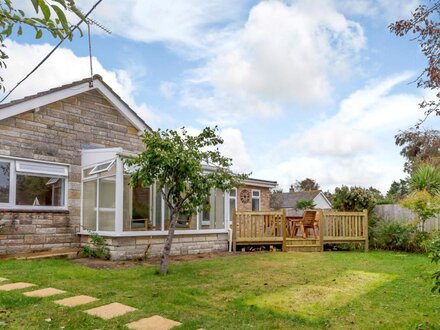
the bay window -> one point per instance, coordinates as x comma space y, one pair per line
32, 184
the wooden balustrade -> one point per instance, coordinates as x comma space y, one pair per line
267, 228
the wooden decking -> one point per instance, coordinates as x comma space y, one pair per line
270, 228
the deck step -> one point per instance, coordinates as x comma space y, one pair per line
64, 253
295, 242
303, 248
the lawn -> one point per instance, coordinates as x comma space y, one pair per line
376, 290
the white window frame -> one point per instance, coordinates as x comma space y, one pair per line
254, 197
95, 169
119, 220
18, 167
229, 203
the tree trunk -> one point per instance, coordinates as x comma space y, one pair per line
168, 243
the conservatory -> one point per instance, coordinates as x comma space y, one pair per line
111, 207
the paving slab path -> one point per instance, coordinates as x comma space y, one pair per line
46, 292
75, 301
155, 322
110, 311
15, 286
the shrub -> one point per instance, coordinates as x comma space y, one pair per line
434, 255
426, 177
305, 204
423, 204
98, 249
353, 199
392, 236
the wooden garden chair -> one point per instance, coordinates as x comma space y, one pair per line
308, 221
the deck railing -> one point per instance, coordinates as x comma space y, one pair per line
270, 228
258, 227
344, 227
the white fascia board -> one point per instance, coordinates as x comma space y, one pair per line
126, 112
259, 183
39, 101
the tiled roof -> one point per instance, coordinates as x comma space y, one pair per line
291, 198
73, 84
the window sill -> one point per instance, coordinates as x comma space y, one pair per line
25, 210
156, 233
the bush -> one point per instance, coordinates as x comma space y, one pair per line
392, 236
434, 255
98, 249
354, 199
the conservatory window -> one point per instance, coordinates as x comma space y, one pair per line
32, 184
232, 203
215, 217
99, 198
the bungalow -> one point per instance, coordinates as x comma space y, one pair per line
62, 177
287, 201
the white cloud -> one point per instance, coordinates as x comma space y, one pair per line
234, 147
390, 10
64, 67
168, 89
356, 145
284, 54
190, 24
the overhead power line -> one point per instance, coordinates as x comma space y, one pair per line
51, 52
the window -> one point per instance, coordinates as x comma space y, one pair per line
255, 200
99, 199
26, 184
232, 203
104, 167
5, 184
214, 218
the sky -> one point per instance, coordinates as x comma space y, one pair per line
297, 88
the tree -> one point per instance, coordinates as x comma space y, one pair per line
353, 199
398, 190
419, 146
424, 26
176, 162
305, 204
426, 177
423, 204
306, 185
53, 20
276, 199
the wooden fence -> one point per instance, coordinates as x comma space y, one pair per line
267, 228
396, 212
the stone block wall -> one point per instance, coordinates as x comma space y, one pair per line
56, 132
123, 248
22, 232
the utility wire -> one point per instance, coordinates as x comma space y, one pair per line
51, 52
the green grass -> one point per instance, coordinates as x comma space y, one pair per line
377, 290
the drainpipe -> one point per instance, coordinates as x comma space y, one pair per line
230, 239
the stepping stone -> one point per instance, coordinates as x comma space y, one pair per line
155, 322
15, 286
110, 311
2, 279
75, 301
47, 292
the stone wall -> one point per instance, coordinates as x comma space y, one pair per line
247, 207
56, 133
28, 232
123, 248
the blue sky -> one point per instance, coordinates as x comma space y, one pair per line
298, 88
